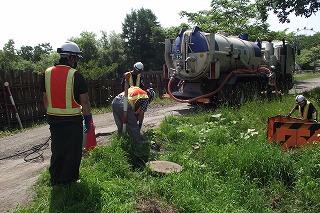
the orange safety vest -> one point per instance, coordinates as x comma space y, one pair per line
304, 114
134, 94
59, 83
128, 76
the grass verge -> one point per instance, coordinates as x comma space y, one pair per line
228, 166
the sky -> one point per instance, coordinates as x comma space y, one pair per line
32, 22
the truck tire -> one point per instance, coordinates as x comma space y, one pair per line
252, 91
238, 96
224, 96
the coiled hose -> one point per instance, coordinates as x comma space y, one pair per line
37, 149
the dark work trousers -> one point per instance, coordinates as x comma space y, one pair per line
66, 148
132, 121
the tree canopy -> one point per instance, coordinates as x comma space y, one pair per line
143, 39
231, 16
310, 50
283, 8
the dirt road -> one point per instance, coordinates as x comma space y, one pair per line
305, 85
17, 175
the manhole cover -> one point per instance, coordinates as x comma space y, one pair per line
164, 166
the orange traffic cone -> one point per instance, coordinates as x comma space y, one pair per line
90, 138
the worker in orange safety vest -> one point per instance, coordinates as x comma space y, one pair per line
133, 77
138, 101
65, 97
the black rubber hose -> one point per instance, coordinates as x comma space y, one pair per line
37, 149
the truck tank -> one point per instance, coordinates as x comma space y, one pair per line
212, 66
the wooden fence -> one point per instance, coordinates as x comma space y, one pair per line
27, 96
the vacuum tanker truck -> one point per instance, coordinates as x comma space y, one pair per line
211, 67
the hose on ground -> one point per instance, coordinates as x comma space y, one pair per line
35, 150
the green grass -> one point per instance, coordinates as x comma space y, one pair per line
306, 75
228, 166
101, 110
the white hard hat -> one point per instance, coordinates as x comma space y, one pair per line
300, 99
138, 66
69, 48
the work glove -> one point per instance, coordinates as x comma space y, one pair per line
87, 122
315, 120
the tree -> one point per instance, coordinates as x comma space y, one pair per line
41, 49
157, 55
9, 48
95, 63
104, 46
9, 58
310, 50
143, 37
46, 61
231, 16
26, 52
112, 52
308, 42
304, 59
88, 45
172, 32
284, 8
279, 35
315, 54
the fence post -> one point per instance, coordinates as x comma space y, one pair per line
6, 105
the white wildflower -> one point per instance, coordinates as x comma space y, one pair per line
216, 115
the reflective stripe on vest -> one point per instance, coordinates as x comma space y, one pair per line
134, 94
131, 79
304, 114
59, 82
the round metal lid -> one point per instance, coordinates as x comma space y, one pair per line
164, 166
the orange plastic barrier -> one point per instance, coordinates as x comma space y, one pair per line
292, 132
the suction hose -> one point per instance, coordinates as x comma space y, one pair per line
237, 71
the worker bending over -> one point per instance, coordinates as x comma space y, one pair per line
306, 109
138, 101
